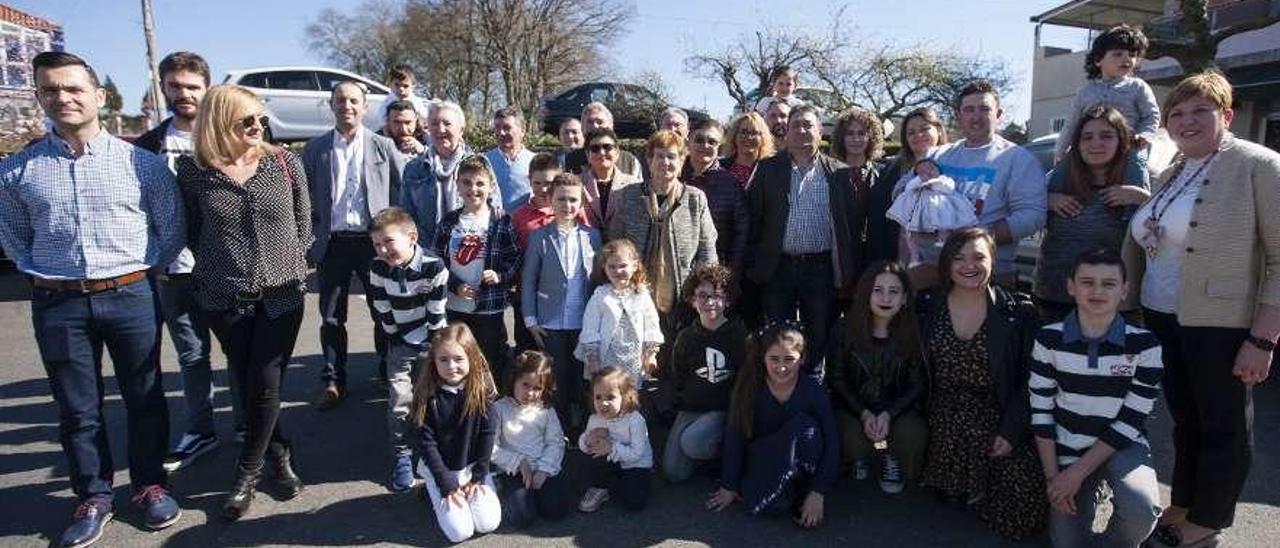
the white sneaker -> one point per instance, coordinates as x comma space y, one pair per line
593, 499
891, 475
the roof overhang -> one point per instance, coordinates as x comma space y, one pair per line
1101, 14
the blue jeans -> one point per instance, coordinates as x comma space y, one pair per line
190, 335
71, 330
1135, 502
695, 436
804, 285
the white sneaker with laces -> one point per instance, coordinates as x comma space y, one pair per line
593, 499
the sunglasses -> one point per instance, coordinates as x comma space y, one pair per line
601, 149
248, 121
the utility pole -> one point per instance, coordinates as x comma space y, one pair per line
157, 95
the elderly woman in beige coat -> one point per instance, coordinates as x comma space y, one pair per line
1205, 254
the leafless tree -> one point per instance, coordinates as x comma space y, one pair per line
748, 64
1190, 38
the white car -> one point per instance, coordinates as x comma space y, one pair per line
297, 98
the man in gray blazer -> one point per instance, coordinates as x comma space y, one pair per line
353, 174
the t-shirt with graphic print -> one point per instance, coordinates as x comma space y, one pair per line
177, 143
467, 246
705, 363
1005, 183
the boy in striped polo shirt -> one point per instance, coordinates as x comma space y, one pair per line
407, 287
1094, 379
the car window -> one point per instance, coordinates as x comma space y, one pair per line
600, 94
297, 80
329, 80
254, 80
574, 94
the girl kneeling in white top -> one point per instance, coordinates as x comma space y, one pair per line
530, 444
617, 441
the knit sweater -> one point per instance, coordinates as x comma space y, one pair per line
529, 433
706, 363
452, 442
1086, 390
692, 231
629, 436
409, 300
1131, 96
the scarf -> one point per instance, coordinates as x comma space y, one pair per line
658, 253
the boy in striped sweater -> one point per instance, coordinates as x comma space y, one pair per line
1094, 379
407, 287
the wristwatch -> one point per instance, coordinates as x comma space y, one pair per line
1262, 344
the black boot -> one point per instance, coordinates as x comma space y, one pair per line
241, 496
282, 466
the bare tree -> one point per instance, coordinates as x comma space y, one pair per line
368, 42
1189, 37
886, 79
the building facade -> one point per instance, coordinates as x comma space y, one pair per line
22, 36
1251, 60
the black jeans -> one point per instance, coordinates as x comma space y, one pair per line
629, 486
346, 255
1212, 417
490, 331
521, 506
559, 344
805, 284
258, 348
71, 330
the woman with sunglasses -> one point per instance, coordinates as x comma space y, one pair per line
602, 178
249, 223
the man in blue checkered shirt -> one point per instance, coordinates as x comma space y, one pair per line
86, 216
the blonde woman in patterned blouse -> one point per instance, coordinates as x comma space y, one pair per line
250, 222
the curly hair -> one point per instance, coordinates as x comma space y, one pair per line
870, 122
717, 275
1123, 37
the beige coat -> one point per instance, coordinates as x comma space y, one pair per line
599, 217
1233, 251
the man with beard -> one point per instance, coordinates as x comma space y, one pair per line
184, 78
353, 174
404, 128
776, 116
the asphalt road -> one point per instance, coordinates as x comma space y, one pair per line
343, 458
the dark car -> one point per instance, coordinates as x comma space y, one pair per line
635, 109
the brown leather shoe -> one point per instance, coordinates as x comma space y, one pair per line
332, 396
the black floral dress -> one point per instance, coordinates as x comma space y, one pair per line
1007, 492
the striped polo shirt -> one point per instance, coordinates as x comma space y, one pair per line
409, 300
1084, 390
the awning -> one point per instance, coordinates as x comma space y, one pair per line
1101, 14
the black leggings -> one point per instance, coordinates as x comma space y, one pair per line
258, 349
630, 486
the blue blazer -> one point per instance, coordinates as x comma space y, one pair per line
383, 169
544, 283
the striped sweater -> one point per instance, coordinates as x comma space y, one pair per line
409, 300
1086, 390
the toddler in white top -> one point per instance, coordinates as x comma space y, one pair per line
530, 444
929, 208
620, 324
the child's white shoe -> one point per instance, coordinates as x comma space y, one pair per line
593, 499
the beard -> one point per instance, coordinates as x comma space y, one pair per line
779, 130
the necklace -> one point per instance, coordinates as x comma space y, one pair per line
1153, 231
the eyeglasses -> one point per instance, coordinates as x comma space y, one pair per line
602, 148
709, 297
261, 119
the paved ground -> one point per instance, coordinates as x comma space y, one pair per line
342, 457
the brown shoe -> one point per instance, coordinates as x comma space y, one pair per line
332, 396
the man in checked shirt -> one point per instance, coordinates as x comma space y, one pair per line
85, 216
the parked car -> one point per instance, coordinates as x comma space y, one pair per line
635, 109
297, 98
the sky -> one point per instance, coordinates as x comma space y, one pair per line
233, 34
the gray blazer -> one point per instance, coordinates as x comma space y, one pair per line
383, 167
544, 282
